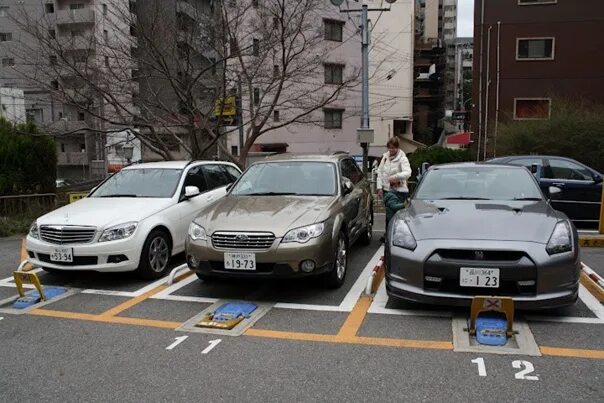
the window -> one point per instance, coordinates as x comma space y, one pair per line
351, 171
256, 47
195, 178
53, 60
106, 35
527, 162
6, 36
81, 116
535, 49
52, 34
276, 23
54, 84
142, 182
34, 115
333, 73
256, 96
234, 150
276, 116
333, 118
213, 67
106, 61
76, 6
536, 108
562, 169
49, 8
233, 173
80, 58
104, 9
535, 2
255, 3
276, 71
4, 11
83, 147
77, 32
333, 30
8, 62
215, 176
62, 147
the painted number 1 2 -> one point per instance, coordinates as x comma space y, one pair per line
525, 368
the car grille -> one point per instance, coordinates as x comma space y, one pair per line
58, 234
243, 240
486, 255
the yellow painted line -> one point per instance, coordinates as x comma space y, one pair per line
355, 318
572, 353
371, 341
592, 287
591, 241
131, 302
105, 319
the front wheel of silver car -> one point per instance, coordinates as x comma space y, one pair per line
367, 234
155, 256
335, 278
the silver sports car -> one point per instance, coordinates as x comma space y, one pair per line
477, 229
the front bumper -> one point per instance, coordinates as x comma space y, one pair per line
281, 260
92, 256
411, 275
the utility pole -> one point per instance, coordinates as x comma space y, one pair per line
365, 134
239, 115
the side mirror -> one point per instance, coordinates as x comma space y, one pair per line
554, 192
347, 186
191, 191
598, 179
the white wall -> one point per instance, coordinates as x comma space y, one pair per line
12, 105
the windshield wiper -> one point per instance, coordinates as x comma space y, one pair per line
528, 198
465, 198
120, 195
271, 194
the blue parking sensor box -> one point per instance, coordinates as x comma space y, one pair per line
34, 297
491, 330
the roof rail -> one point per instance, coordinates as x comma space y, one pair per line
339, 152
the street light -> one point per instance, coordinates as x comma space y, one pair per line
128, 150
365, 134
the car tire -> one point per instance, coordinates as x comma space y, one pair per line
336, 276
205, 277
367, 234
155, 256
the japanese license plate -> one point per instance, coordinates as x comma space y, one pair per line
240, 261
473, 277
64, 255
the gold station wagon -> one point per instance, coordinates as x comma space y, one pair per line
287, 216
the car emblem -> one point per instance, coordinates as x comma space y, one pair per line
479, 255
241, 237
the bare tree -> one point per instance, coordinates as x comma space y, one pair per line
171, 69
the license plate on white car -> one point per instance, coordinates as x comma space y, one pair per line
485, 278
240, 261
62, 255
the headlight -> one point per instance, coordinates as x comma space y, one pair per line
117, 232
304, 234
561, 239
402, 235
197, 232
33, 231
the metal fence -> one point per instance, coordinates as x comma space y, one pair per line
17, 205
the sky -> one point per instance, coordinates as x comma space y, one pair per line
465, 18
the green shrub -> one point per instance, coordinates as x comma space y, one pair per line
436, 155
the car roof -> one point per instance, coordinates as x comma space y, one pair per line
333, 157
172, 164
454, 165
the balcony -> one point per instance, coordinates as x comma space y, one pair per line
80, 16
72, 158
77, 43
67, 126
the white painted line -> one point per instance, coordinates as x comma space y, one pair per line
185, 298
176, 286
10, 281
112, 293
310, 307
358, 287
592, 303
381, 299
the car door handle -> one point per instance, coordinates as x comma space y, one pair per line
559, 184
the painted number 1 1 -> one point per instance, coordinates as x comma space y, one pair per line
526, 368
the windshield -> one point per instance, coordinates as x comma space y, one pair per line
149, 182
478, 183
288, 178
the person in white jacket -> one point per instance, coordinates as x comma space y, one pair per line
393, 172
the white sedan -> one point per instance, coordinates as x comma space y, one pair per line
135, 220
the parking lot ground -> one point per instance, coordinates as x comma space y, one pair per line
110, 342
594, 258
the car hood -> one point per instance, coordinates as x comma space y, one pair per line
104, 212
482, 220
276, 214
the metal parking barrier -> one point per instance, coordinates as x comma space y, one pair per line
174, 273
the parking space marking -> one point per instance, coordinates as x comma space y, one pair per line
106, 319
381, 299
572, 353
116, 310
355, 319
166, 294
592, 286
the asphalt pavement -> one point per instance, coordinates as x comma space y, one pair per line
116, 339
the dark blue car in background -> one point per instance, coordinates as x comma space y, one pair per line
581, 185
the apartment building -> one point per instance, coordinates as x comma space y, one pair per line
53, 50
530, 53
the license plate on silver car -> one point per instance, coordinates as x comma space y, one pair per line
475, 277
63, 255
239, 261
